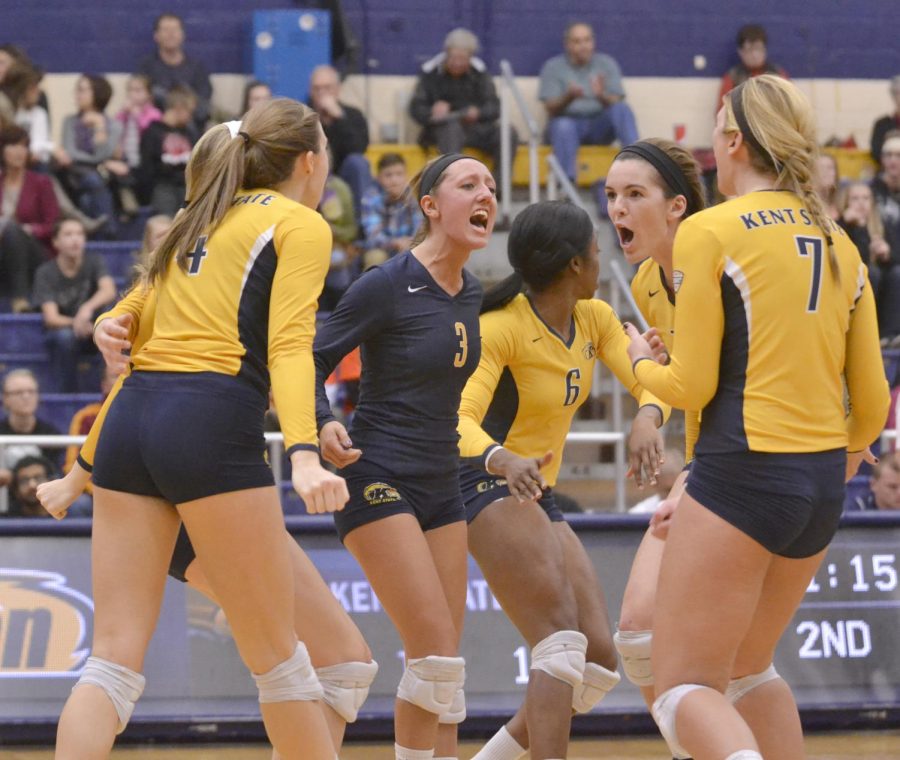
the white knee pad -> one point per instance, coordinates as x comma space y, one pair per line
634, 646
432, 682
122, 685
744, 754
561, 655
345, 686
596, 683
457, 712
290, 681
664, 709
739, 687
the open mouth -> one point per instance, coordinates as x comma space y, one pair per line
625, 236
479, 219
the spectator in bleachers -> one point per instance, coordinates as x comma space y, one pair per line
346, 129
886, 189
138, 114
70, 291
170, 66
886, 124
456, 102
28, 473
884, 487
10, 54
155, 229
28, 211
862, 222
753, 51
13, 87
336, 208
390, 216
35, 120
90, 139
826, 182
165, 149
585, 101
255, 92
21, 396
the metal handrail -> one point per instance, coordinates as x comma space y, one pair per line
557, 177
534, 139
275, 442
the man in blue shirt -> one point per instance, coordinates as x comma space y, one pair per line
585, 101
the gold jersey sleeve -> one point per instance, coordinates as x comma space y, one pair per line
530, 381
246, 306
766, 332
140, 304
655, 299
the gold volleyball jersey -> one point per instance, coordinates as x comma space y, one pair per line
656, 300
140, 303
246, 306
765, 334
530, 382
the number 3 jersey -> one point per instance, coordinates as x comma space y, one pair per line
530, 381
418, 346
766, 335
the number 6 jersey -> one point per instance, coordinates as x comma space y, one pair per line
766, 334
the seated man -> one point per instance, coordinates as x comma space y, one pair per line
21, 396
70, 290
27, 475
456, 102
390, 215
886, 124
752, 49
884, 486
585, 101
346, 129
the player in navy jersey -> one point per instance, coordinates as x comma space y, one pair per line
539, 350
775, 338
416, 320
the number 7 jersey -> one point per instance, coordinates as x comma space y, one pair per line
766, 335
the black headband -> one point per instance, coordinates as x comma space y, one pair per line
433, 172
668, 169
737, 108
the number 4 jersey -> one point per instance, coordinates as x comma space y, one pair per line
767, 334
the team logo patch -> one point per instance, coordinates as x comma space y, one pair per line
381, 493
489, 485
589, 352
45, 626
677, 279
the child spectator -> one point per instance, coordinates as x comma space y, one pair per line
884, 487
336, 208
390, 216
21, 396
27, 475
165, 148
28, 211
70, 290
138, 114
753, 50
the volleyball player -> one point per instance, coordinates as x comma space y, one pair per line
416, 320
537, 359
774, 316
237, 280
337, 649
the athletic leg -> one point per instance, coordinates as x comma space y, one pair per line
131, 545
239, 541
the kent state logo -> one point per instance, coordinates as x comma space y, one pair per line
489, 485
45, 626
589, 352
381, 493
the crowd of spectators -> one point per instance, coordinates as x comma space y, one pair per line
108, 168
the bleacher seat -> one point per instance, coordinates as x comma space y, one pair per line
21, 333
59, 408
118, 255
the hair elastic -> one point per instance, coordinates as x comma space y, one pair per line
668, 169
245, 136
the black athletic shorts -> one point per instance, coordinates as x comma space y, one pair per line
480, 490
789, 503
435, 501
183, 436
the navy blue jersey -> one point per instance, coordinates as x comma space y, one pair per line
418, 347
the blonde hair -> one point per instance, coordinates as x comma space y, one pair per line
261, 155
783, 123
874, 224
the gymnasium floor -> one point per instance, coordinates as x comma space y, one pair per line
854, 746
